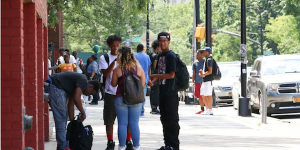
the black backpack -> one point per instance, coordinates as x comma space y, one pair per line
182, 76
80, 137
216, 71
133, 92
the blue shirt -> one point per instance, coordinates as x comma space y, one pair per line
92, 66
145, 62
196, 67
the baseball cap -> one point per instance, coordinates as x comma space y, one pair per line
140, 47
206, 49
163, 35
66, 53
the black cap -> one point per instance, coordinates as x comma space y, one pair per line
206, 49
140, 47
164, 34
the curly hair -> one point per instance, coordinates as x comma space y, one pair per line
113, 38
126, 58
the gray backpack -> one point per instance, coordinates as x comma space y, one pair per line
132, 88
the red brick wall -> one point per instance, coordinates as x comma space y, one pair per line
31, 87
41, 8
40, 80
46, 74
12, 89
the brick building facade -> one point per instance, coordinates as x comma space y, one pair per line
24, 67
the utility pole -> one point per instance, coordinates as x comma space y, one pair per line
148, 28
261, 33
244, 104
196, 21
208, 24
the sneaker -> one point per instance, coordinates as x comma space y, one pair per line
205, 112
136, 148
199, 112
121, 147
211, 112
142, 114
166, 148
110, 145
155, 111
162, 148
129, 145
93, 104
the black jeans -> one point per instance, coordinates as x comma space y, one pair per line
95, 96
102, 89
170, 119
154, 95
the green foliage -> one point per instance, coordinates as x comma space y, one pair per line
284, 31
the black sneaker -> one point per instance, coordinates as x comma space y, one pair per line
155, 111
110, 145
93, 103
162, 148
129, 145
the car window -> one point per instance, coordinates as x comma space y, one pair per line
281, 67
255, 66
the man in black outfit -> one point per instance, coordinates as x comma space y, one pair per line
154, 97
168, 96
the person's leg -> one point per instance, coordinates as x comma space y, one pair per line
209, 101
145, 92
197, 95
208, 94
133, 120
59, 108
163, 116
109, 115
122, 114
171, 124
95, 98
102, 88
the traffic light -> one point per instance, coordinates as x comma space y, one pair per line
200, 33
212, 38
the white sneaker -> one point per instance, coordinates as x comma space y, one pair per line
122, 147
205, 112
136, 148
211, 112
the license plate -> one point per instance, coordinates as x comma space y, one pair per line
230, 94
296, 99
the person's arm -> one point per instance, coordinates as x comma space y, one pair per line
92, 75
74, 68
114, 80
106, 72
59, 68
154, 64
149, 71
194, 75
76, 99
209, 67
141, 74
53, 68
170, 75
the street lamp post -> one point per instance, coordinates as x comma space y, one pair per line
261, 32
148, 28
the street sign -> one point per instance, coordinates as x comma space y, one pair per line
137, 39
127, 42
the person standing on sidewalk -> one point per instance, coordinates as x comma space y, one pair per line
79, 63
67, 65
207, 79
128, 115
50, 68
109, 113
92, 74
197, 80
65, 90
168, 93
154, 97
145, 62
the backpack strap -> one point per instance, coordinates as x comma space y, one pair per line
106, 57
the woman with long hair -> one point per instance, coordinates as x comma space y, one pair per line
92, 70
128, 115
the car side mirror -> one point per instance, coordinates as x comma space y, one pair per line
254, 74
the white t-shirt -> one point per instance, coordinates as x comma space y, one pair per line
62, 60
78, 65
49, 66
103, 65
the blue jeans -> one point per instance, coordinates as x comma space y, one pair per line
58, 104
128, 115
145, 92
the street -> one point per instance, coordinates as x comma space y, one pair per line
224, 130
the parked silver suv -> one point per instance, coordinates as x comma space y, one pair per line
280, 74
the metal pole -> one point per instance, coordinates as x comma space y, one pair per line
208, 24
261, 33
193, 33
197, 15
147, 32
244, 105
264, 105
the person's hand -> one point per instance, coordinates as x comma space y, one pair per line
193, 84
152, 77
91, 79
201, 73
150, 83
82, 117
55, 67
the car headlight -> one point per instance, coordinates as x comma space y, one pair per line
273, 87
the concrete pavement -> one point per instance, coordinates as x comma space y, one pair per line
224, 130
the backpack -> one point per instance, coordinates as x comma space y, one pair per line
80, 137
216, 71
106, 57
133, 92
182, 75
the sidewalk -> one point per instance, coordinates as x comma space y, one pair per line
224, 130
